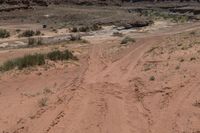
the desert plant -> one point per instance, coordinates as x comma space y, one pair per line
39, 41
37, 33
177, 67
43, 102
18, 30
31, 41
118, 34
28, 33
36, 60
127, 40
74, 29
197, 104
58, 55
95, 27
84, 29
44, 26
4, 33
30, 60
75, 37
152, 78
23, 62
47, 91
35, 41
8, 65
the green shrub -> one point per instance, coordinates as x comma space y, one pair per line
23, 62
30, 60
58, 55
118, 34
43, 102
8, 65
127, 40
18, 30
30, 33
37, 33
95, 27
4, 33
152, 78
34, 41
84, 29
31, 41
39, 41
36, 60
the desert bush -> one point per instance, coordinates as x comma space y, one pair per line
23, 62
152, 78
39, 41
58, 55
43, 102
84, 29
37, 33
36, 60
197, 104
34, 41
18, 30
118, 34
127, 40
74, 37
30, 33
93, 27
8, 65
4, 33
30, 60
44, 26
74, 29
31, 41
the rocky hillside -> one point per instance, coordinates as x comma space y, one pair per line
81, 2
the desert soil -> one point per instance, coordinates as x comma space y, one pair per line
150, 86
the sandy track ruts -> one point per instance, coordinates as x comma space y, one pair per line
101, 96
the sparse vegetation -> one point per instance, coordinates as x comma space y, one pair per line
30, 33
36, 60
197, 104
177, 67
43, 102
152, 78
192, 58
118, 34
18, 30
93, 27
75, 37
26, 61
44, 26
37, 33
165, 15
34, 41
182, 60
58, 55
127, 40
47, 91
31, 41
4, 33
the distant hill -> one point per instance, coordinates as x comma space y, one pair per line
83, 2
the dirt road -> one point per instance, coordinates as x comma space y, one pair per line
107, 90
